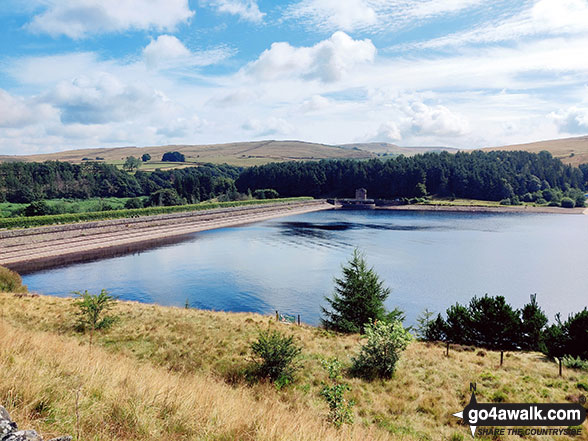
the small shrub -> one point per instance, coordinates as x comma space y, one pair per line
37, 208
340, 409
266, 193
275, 355
567, 203
575, 363
133, 203
92, 310
424, 322
10, 281
379, 355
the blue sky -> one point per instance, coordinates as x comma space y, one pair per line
463, 73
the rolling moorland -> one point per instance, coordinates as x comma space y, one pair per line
572, 151
177, 374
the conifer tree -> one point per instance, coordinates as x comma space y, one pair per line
358, 299
533, 321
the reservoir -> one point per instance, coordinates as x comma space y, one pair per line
428, 259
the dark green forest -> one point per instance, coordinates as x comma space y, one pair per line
477, 175
27, 182
511, 177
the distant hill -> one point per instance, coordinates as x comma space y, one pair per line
572, 151
384, 148
238, 153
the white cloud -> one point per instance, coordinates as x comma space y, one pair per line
247, 10
315, 102
235, 98
100, 99
328, 60
436, 120
542, 18
388, 132
17, 112
572, 121
268, 126
371, 15
167, 52
82, 18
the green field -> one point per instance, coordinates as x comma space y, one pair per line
37, 221
62, 206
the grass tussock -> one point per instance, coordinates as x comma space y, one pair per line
11, 281
170, 373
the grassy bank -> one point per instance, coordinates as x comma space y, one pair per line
176, 374
63, 206
37, 221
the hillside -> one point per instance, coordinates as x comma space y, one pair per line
572, 151
384, 148
238, 153
177, 374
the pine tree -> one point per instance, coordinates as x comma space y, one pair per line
358, 299
533, 321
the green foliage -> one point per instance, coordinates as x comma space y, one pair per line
459, 325
173, 157
358, 299
10, 281
567, 202
436, 330
133, 203
555, 339
146, 157
575, 363
494, 323
275, 356
37, 208
131, 163
340, 409
533, 321
424, 321
567, 338
379, 355
266, 193
92, 311
495, 176
166, 197
26, 222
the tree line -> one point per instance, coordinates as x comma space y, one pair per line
501, 175
22, 182
490, 322
510, 177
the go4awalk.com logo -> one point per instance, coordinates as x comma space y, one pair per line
538, 418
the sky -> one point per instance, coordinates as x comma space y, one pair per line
459, 73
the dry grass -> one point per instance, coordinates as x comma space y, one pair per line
170, 373
239, 153
572, 151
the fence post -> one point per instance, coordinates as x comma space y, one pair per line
298, 319
277, 316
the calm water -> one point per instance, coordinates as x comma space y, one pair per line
429, 260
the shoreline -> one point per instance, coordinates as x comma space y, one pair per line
486, 209
34, 249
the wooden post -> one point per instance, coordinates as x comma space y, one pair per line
298, 319
560, 366
447, 352
277, 316
501, 357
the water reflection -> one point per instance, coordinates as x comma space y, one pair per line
430, 260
